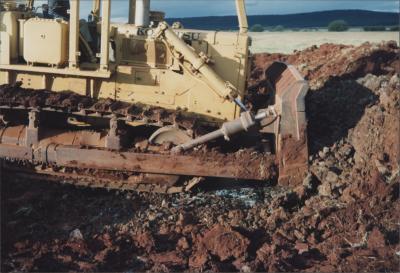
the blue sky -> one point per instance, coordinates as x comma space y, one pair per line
190, 8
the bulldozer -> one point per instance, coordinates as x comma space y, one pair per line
141, 105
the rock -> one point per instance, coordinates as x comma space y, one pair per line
243, 266
394, 81
171, 258
307, 181
151, 216
225, 242
221, 219
166, 146
327, 268
164, 204
299, 235
144, 240
142, 145
76, 235
331, 177
334, 257
236, 217
320, 171
19, 246
302, 66
264, 252
380, 167
184, 219
350, 160
246, 269
385, 99
277, 216
182, 244
301, 192
199, 257
322, 154
189, 229
85, 266
376, 239
264, 213
372, 82
301, 247
325, 189
346, 150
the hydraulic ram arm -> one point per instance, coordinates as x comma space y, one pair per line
228, 129
199, 62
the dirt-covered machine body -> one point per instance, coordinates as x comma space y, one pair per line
141, 103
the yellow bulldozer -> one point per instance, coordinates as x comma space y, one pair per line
141, 105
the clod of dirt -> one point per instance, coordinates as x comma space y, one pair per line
376, 239
225, 243
144, 240
169, 259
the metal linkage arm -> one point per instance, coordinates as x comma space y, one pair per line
228, 129
199, 62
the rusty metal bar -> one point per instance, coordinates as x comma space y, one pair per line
159, 164
15, 152
74, 156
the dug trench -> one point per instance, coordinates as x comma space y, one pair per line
344, 217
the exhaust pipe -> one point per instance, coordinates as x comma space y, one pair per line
132, 11
142, 13
242, 16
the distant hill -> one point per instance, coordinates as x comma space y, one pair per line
355, 18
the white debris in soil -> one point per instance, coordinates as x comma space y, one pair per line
76, 234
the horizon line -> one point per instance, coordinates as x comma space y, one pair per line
283, 14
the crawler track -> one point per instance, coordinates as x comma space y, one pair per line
95, 179
16, 98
